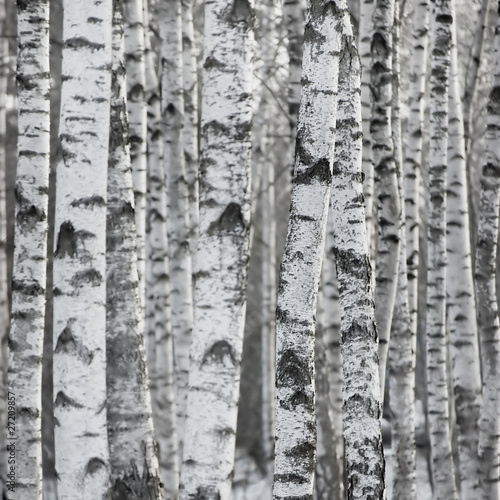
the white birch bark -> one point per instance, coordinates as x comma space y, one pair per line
190, 131
158, 314
386, 189
178, 228
137, 118
413, 151
365, 29
362, 399
24, 425
133, 459
486, 296
304, 247
402, 348
223, 251
461, 307
82, 459
437, 377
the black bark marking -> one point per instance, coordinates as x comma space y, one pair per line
205, 493
89, 276
24, 4
292, 371
80, 42
444, 18
131, 486
231, 218
64, 401
211, 62
241, 11
67, 344
94, 20
57, 292
319, 172
66, 241
24, 83
292, 478
95, 465
299, 397
305, 450
218, 353
31, 289
91, 202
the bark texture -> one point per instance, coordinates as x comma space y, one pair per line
486, 296
304, 247
82, 459
223, 251
24, 397
437, 377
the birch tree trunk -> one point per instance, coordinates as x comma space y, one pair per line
486, 296
178, 228
223, 251
304, 247
24, 426
437, 378
402, 349
133, 459
82, 459
461, 307
362, 400
413, 151
365, 29
386, 187
137, 118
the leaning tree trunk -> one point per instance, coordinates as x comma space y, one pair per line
178, 229
304, 247
133, 459
82, 458
364, 459
386, 186
486, 296
461, 307
437, 377
24, 427
223, 251
402, 349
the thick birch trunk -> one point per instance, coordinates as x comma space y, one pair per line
137, 118
461, 307
223, 251
301, 263
437, 377
24, 426
402, 349
362, 399
177, 202
82, 460
386, 187
486, 296
134, 464
365, 29
413, 152
190, 131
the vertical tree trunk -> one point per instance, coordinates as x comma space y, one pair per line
402, 348
82, 459
24, 397
133, 459
362, 399
386, 188
437, 377
301, 263
223, 251
486, 296
461, 307
178, 228
137, 118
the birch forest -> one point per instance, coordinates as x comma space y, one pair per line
249, 249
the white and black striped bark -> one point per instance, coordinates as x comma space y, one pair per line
24, 427
137, 118
364, 459
486, 296
178, 228
437, 377
386, 188
460, 296
413, 151
303, 254
223, 251
402, 348
133, 459
82, 458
